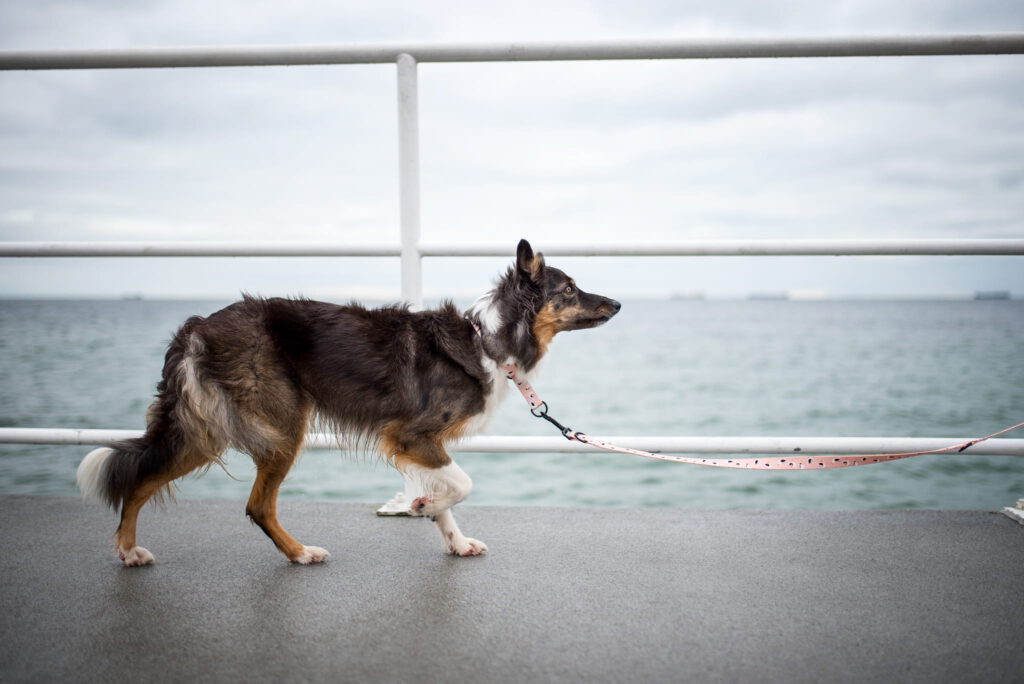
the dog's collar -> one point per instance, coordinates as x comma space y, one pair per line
512, 373
480, 334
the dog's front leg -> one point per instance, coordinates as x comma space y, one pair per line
433, 492
454, 540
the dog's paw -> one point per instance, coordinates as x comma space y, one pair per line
467, 547
136, 556
311, 554
419, 505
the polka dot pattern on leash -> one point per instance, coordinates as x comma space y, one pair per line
539, 408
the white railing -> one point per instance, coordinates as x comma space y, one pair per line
689, 248
299, 55
518, 444
411, 251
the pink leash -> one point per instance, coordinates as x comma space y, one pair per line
539, 408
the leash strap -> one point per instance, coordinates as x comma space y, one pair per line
539, 408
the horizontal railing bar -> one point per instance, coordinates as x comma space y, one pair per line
725, 48
922, 247
194, 249
523, 444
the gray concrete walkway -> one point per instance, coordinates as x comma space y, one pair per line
564, 595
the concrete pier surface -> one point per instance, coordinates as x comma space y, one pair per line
597, 595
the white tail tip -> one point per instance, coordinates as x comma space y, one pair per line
92, 473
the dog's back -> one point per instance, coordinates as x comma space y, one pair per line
381, 371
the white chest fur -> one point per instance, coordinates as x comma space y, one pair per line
497, 393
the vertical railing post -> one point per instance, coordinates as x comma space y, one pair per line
409, 180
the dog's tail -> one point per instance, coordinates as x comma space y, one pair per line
114, 473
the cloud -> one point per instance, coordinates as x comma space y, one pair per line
602, 151
823, 159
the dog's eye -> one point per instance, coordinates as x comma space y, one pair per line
568, 290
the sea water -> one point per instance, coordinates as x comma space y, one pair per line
690, 367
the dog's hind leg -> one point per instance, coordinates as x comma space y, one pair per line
127, 548
262, 507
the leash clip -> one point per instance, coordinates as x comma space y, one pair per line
542, 412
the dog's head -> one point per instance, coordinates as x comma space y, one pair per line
558, 303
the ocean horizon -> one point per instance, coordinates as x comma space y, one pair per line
688, 365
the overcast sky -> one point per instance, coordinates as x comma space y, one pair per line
556, 152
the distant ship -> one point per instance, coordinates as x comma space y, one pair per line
990, 295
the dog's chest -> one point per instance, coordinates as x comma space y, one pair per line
496, 394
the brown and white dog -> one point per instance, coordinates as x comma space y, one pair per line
252, 376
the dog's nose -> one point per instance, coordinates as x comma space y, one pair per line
614, 305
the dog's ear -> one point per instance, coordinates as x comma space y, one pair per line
528, 263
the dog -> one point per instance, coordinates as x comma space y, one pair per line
402, 383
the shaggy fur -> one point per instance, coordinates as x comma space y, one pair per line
253, 375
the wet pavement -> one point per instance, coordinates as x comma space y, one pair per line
597, 595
